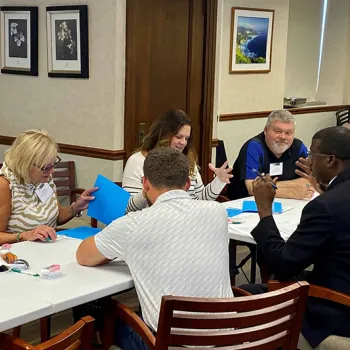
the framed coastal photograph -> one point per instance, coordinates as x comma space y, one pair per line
19, 40
251, 40
67, 41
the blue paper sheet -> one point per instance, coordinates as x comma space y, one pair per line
250, 206
231, 212
110, 201
81, 232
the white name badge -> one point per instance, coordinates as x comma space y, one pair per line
276, 169
44, 192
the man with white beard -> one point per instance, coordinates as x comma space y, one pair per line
273, 152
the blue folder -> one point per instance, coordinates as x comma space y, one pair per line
231, 212
250, 206
81, 232
110, 201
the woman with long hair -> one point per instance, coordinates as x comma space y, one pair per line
171, 129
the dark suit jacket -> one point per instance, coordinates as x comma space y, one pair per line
322, 239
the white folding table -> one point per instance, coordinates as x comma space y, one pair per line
243, 224
16, 308
286, 222
78, 284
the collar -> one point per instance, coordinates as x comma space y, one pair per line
343, 176
332, 180
288, 152
171, 195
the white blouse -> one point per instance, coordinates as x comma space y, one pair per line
132, 182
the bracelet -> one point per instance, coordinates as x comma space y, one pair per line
78, 214
18, 236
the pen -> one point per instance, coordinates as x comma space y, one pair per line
26, 272
260, 175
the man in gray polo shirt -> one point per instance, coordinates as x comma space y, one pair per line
177, 246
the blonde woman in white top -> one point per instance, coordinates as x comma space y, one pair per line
29, 209
172, 129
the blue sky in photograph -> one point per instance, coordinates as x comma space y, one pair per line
255, 23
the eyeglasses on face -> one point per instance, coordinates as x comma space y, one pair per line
48, 167
310, 154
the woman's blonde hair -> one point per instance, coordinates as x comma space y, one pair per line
164, 128
32, 147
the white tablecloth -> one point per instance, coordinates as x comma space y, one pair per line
286, 222
78, 284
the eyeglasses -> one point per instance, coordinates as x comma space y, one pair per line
48, 167
310, 154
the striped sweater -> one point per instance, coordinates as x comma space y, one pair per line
27, 210
132, 182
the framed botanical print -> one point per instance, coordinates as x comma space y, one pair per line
68, 41
19, 40
251, 40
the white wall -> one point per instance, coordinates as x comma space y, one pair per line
75, 111
253, 92
303, 48
335, 61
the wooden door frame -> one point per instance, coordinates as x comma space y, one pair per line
209, 86
210, 8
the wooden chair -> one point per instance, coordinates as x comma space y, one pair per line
64, 179
342, 116
333, 341
265, 322
77, 337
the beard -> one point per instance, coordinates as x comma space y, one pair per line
148, 200
279, 147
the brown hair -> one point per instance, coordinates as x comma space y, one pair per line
166, 168
162, 131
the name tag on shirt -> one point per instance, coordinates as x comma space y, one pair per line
276, 169
44, 192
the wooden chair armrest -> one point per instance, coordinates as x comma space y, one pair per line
78, 191
222, 199
9, 342
275, 285
135, 322
238, 292
329, 294
315, 291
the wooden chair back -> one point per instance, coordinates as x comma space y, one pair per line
64, 179
265, 322
342, 116
77, 337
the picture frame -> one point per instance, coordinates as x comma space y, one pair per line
251, 40
67, 41
19, 40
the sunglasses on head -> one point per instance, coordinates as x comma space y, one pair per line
48, 167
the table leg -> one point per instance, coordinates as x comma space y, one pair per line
45, 328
